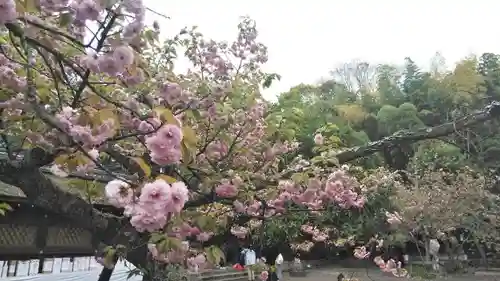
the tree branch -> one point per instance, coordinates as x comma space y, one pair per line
489, 112
130, 165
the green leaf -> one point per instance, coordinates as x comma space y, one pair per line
65, 19
156, 237
151, 36
214, 254
187, 155
268, 80
334, 161
169, 243
25, 6
299, 177
190, 138
109, 256
134, 272
5, 206
201, 222
166, 115
146, 169
166, 178
218, 253
174, 243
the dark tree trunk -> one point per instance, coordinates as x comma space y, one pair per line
106, 274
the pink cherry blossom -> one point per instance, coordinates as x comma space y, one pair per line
94, 154
156, 195
118, 193
239, 231
264, 275
194, 231
107, 64
318, 139
238, 206
165, 145
179, 197
361, 252
8, 11
57, 170
123, 55
200, 260
226, 189
204, 236
171, 93
145, 219
378, 260
152, 209
90, 62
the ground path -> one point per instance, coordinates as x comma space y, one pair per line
330, 274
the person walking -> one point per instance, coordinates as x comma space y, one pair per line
279, 266
250, 260
434, 247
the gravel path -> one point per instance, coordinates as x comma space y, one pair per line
375, 275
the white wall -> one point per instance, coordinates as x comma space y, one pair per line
84, 269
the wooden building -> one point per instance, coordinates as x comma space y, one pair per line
28, 232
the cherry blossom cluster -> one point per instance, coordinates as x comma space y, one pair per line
113, 63
213, 56
10, 79
318, 235
194, 261
228, 188
151, 210
173, 256
230, 135
389, 266
8, 11
165, 145
304, 246
253, 224
239, 231
252, 208
171, 94
318, 139
264, 275
339, 188
70, 122
162, 140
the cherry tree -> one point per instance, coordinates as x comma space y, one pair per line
438, 202
432, 204
103, 105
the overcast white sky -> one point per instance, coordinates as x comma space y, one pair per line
306, 39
